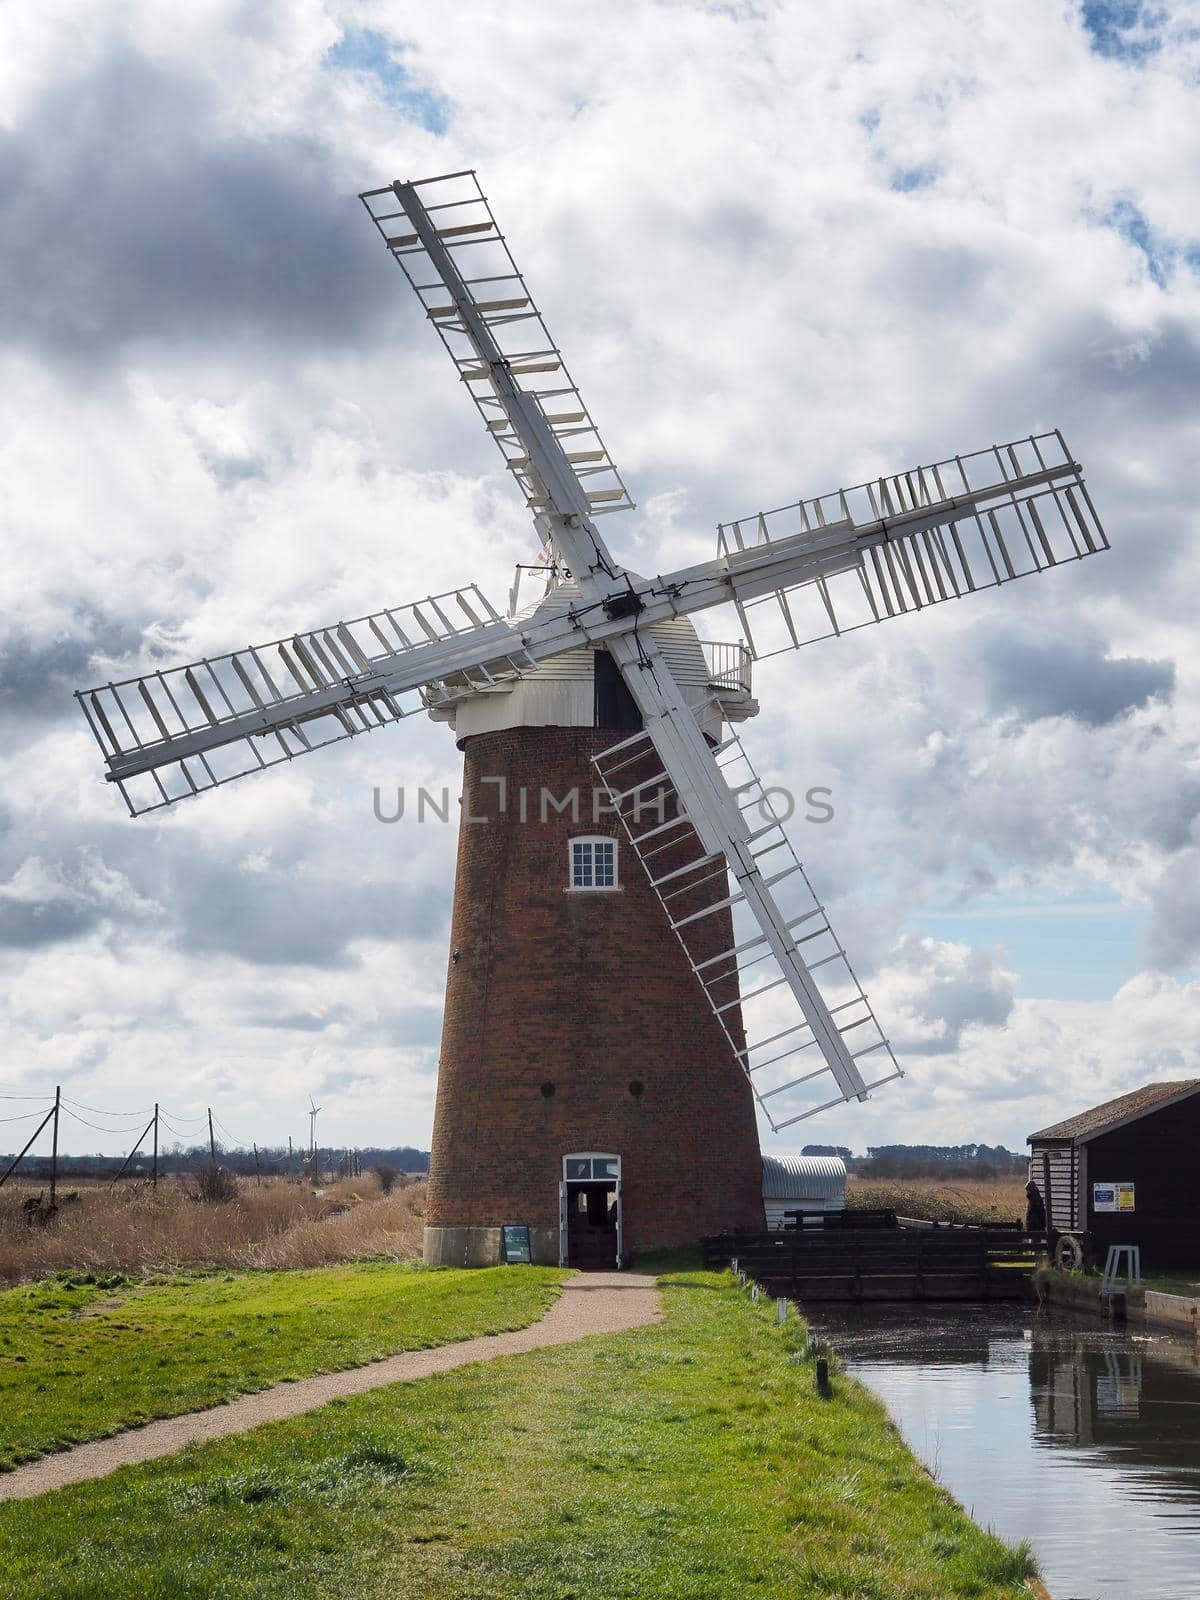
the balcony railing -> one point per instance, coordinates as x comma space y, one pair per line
728, 666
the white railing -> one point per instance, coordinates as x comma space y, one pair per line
728, 665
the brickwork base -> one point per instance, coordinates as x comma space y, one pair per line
574, 1023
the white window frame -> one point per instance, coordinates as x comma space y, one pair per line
590, 1156
593, 888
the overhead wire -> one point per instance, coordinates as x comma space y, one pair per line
238, 1144
177, 1117
99, 1126
180, 1133
141, 1111
124, 1122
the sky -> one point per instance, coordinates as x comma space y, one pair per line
784, 248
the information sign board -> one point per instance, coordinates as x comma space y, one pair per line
1112, 1197
514, 1244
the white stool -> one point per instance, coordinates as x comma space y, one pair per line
1127, 1255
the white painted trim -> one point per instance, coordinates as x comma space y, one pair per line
590, 1155
593, 888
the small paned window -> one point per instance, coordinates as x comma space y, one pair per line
593, 864
591, 1169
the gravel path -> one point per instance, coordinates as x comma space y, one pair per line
593, 1302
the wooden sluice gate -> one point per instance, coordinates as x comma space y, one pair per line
882, 1259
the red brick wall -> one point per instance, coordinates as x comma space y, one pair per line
588, 991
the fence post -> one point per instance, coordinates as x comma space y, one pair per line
54, 1145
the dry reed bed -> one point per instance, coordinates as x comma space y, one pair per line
939, 1200
138, 1230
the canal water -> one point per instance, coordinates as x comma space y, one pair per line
1083, 1440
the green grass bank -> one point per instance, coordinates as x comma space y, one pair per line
81, 1358
693, 1460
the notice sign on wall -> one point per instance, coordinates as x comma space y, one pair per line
514, 1244
1112, 1197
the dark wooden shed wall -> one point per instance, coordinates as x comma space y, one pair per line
1160, 1154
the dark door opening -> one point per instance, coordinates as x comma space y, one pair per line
592, 1226
615, 707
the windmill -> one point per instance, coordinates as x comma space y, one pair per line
313, 1108
607, 1031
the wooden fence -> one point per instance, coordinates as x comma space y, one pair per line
935, 1262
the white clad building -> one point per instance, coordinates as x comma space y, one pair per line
802, 1183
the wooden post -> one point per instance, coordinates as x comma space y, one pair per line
212, 1142
1049, 1204
257, 1173
154, 1167
121, 1170
54, 1144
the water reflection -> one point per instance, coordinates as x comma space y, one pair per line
1084, 1440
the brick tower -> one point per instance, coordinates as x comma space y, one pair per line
585, 1087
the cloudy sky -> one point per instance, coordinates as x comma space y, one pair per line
784, 247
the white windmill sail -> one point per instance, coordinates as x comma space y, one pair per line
917, 538
170, 734
796, 1041
486, 289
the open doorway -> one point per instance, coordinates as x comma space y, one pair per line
589, 1212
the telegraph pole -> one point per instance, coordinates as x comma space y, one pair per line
54, 1145
154, 1168
212, 1142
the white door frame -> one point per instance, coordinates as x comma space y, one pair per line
564, 1198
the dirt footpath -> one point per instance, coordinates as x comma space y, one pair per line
591, 1303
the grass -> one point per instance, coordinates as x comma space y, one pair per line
688, 1461
940, 1200
139, 1230
1184, 1282
81, 1359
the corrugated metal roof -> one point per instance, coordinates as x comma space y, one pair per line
803, 1177
1123, 1109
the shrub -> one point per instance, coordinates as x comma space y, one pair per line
216, 1185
